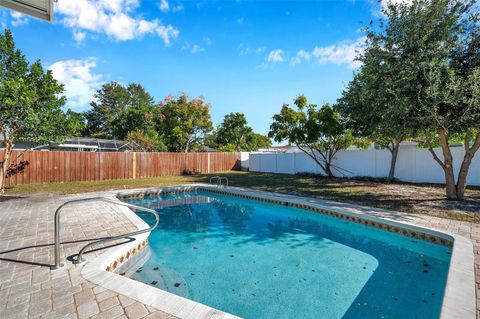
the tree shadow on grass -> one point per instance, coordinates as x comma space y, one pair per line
399, 196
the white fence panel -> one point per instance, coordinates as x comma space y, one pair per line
425, 168
268, 163
286, 163
405, 168
413, 164
304, 164
254, 162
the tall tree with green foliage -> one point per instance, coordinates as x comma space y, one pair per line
373, 104
234, 130
256, 141
149, 141
432, 48
183, 122
75, 123
234, 134
318, 132
118, 110
30, 102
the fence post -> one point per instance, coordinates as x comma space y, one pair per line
208, 162
134, 165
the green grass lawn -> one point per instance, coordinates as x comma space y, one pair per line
412, 198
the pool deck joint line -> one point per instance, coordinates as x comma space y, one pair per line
29, 289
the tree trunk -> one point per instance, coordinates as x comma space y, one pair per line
4, 167
448, 166
312, 155
393, 161
467, 160
328, 170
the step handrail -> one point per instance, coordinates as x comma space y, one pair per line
215, 177
219, 180
103, 240
225, 179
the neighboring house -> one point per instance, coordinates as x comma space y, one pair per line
20, 146
295, 149
207, 149
82, 144
87, 144
279, 149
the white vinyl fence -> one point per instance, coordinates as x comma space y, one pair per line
413, 164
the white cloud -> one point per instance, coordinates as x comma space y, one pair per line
114, 18
240, 20
164, 6
246, 50
301, 55
342, 53
18, 19
196, 48
177, 8
79, 80
275, 56
207, 40
79, 36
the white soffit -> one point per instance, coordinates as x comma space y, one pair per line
42, 9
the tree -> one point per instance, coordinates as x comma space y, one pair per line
256, 141
234, 130
150, 141
111, 100
139, 117
75, 123
119, 109
319, 133
451, 106
183, 122
433, 45
233, 134
30, 102
373, 105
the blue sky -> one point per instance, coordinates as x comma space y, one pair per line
242, 56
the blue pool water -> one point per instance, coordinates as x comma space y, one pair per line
260, 260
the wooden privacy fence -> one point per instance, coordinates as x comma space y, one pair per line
29, 167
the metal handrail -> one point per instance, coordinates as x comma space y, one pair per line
103, 240
224, 178
214, 177
219, 180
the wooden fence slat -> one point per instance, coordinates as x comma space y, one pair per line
53, 166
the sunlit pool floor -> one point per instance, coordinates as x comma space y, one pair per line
259, 260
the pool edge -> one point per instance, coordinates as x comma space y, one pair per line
459, 298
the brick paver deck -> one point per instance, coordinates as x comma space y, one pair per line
29, 289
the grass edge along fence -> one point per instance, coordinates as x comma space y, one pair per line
37, 167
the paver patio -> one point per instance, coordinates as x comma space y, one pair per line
29, 289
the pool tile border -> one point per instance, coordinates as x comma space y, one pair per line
417, 233
459, 298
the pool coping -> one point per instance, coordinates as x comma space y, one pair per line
459, 298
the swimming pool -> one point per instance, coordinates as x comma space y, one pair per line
263, 260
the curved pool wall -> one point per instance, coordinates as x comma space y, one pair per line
459, 297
